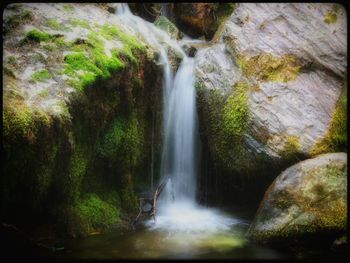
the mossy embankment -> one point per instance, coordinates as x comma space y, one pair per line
76, 131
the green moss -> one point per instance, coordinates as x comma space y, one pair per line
77, 170
131, 44
123, 141
133, 141
79, 61
81, 23
45, 174
44, 93
93, 61
109, 145
269, 68
60, 43
12, 60
291, 147
49, 47
68, 7
336, 138
331, 15
97, 213
38, 36
22, 122
41, 76
12, 22
236, 113
110, 32
17, 120
55, 25
129, 201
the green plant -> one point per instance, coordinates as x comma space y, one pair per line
12, 22
266, 67
331, 15
38, 36
236, 114
12, 60
41, 76
44, 93
336, 138
97, 213
291, 147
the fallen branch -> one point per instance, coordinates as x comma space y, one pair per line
151, 201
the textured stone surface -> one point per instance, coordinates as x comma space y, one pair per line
298, 28
308, 197
285, 117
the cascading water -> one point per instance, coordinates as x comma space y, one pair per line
179, 158
178, 211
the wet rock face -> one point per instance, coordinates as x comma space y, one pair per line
148, 11
200, 19
291, 60
306, 199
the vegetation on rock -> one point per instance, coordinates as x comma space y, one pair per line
96, 214
14, 21
331, 15
60, 166
266, 67
236, 113
38, 36
336, 137
309, 200
41, 76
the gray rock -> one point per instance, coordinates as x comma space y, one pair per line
299, 110
307, 198
296, 28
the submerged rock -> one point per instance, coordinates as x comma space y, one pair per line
305, 200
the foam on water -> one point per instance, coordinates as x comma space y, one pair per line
189, 218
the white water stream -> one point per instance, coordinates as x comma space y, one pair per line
178, 210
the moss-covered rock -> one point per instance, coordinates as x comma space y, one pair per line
289, 111
336, 137
266, 67
76, 100
331, 15
96, 214
308, 199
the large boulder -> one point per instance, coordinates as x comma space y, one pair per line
307, 199
271, 87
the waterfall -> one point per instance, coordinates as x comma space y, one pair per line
179, 110
179, 160
178, 210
